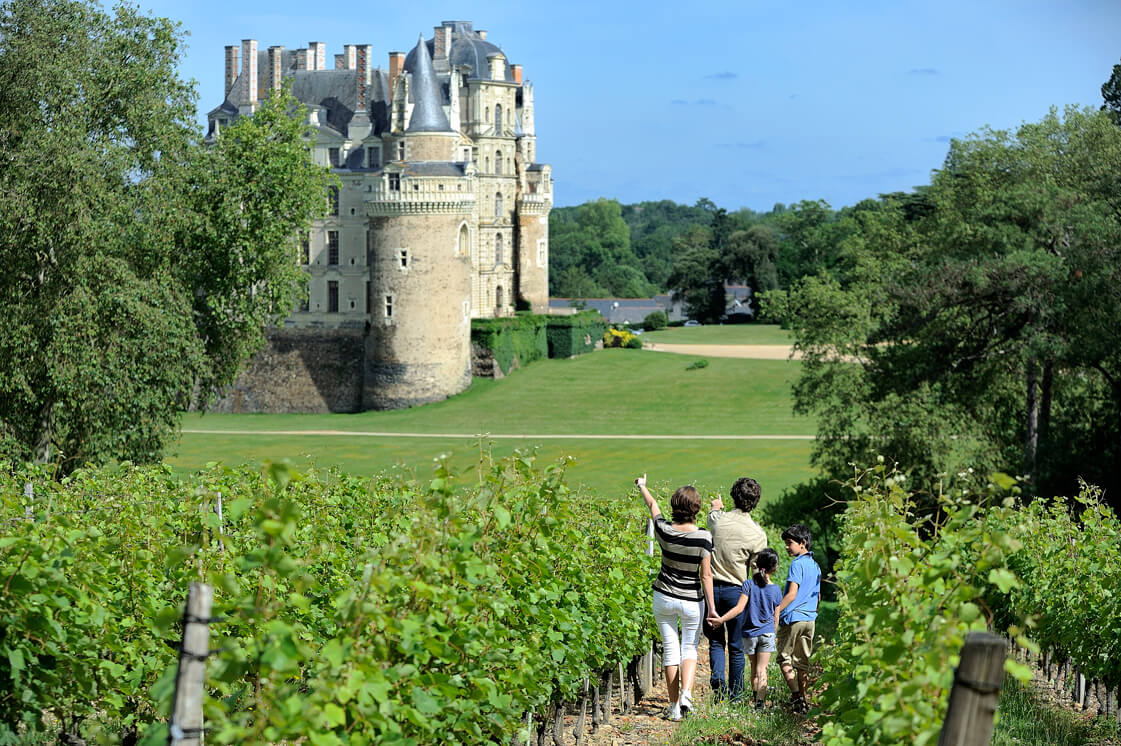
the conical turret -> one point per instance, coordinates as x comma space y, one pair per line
428, 111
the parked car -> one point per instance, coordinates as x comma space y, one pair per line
692, 322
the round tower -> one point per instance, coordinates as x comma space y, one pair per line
421, 215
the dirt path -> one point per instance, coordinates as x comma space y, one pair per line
756, 352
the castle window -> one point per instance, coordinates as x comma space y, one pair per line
305, 301
333, 200
541, 253
498, 300
498, 119
416, 186
395, 182
369, 290
305, 248
332, 296
389, 306
373, 157
463, 246
401, 150
403, 257
498, 204
533, 187
332, 248
498, 248
333, 157
498, 162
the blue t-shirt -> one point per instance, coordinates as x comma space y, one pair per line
805, 572
759, 618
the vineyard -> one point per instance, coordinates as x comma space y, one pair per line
914, 582
346, 611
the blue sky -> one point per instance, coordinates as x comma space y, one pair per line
747, 103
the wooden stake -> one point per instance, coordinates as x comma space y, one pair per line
185, 728
973, 700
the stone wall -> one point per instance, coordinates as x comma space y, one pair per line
301, 370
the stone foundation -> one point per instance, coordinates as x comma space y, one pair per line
301, 370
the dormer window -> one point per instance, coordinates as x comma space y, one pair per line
373, 157
395, 182
333, 157
401, 150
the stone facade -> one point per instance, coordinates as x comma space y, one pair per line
441, 217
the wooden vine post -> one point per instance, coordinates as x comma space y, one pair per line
977, 683
186, 728
646, 667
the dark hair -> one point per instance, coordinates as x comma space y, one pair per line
745, 494
798, 533
684, 504
766, 561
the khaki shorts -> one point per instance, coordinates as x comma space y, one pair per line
796, 644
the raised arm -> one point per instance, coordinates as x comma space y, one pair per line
655, 511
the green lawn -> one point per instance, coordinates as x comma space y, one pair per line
731, 334
607, 393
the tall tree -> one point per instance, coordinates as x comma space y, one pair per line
1111, 94
140, 263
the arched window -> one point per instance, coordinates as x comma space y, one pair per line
464, 244
498, 119
498, 204
498, 300
498, 248
498, 162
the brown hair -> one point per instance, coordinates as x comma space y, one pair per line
685, 504
745, 494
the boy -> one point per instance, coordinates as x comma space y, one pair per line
796, 614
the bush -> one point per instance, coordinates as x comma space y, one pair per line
621, 338
655, 320
574, 335
519, 340
698, 364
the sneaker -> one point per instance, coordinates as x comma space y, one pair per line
673, 712
685, 703
760, 705
798, 705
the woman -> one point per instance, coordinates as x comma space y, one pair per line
681, 589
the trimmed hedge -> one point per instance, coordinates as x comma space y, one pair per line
576, 334
521, 339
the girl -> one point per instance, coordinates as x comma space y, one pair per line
760, 597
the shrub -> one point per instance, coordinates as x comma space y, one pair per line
621, 338
655, 320
698, 364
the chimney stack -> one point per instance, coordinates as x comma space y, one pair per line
349, 56
517, 71
442, 42
276, 68
362, 64
340, 61
317, 52
482, 34
231, 67
396, 66
302, 58
248, 96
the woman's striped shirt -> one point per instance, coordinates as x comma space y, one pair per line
682, 552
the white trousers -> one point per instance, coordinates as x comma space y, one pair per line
669, 612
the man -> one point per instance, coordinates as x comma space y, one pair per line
736, 539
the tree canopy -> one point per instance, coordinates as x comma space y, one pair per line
141, 263
982, 313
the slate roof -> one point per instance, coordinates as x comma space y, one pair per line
467, 49
428, 111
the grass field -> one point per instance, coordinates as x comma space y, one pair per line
732, 334
607, 394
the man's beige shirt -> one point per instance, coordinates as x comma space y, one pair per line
737, 538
